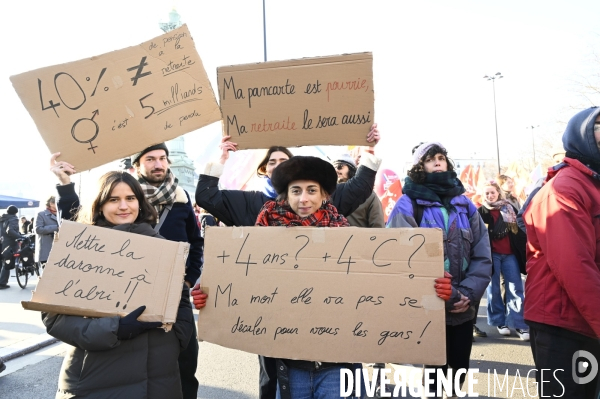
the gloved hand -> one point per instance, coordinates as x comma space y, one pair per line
443, 286
130, 327
199, 297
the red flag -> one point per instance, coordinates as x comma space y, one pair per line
478, 182
390, 197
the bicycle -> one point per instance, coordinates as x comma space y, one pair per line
23, 262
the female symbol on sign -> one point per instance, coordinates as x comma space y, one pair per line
94, 135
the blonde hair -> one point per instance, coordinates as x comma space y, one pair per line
493, 183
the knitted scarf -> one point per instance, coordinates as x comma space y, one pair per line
506, 223
51, 211
162, 195
438, 187
279, 213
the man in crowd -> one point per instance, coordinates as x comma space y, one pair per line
177, 222
24, 225
9, 224
563, 265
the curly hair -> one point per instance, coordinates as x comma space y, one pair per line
417, 172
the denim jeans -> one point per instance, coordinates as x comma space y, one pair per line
319, 384
498, 313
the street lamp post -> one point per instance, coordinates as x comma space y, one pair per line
493, 78
533, 140
265, 31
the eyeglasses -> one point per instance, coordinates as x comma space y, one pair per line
339, 166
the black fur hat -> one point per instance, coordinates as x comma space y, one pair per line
304, 168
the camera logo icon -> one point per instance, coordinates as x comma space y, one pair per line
583, 361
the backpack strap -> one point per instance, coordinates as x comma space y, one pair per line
165, 212
417, 211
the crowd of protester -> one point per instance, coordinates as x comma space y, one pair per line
488, 249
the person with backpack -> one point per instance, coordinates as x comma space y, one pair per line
9, 223
433, 198
563, 264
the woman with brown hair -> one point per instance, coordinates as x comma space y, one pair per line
117, 357
434, 198
241, 208
304, 186
508, 243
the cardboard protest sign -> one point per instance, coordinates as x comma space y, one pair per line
308, 101
325, 294
110, 106
95, 271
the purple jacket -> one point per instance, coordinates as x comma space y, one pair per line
467, 252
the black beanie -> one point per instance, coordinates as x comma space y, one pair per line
161, 146
304, 168
12, 210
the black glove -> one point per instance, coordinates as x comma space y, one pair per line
130, 327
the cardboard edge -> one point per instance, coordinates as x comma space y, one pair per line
175, 284
75, 311
365, 56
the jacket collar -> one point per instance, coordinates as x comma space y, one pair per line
552, 171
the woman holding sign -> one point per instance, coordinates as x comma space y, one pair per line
117, 357
304, 186
240, 208
433, 197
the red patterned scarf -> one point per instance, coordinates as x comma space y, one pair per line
280, 214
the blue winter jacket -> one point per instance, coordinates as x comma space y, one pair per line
467, 252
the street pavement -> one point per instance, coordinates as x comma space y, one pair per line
225, 373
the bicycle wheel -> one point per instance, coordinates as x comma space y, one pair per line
22, 274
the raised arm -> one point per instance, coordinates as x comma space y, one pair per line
232, 207
67, 201
350, 195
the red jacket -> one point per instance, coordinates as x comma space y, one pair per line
563, 251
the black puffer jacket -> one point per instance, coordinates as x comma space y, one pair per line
241, 208
99, 365
10, 231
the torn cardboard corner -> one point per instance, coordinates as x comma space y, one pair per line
308, 101
311, 293
100, 272
138, 96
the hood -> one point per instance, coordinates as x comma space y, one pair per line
578, 139
6, 216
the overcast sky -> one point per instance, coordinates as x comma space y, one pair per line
429, 60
